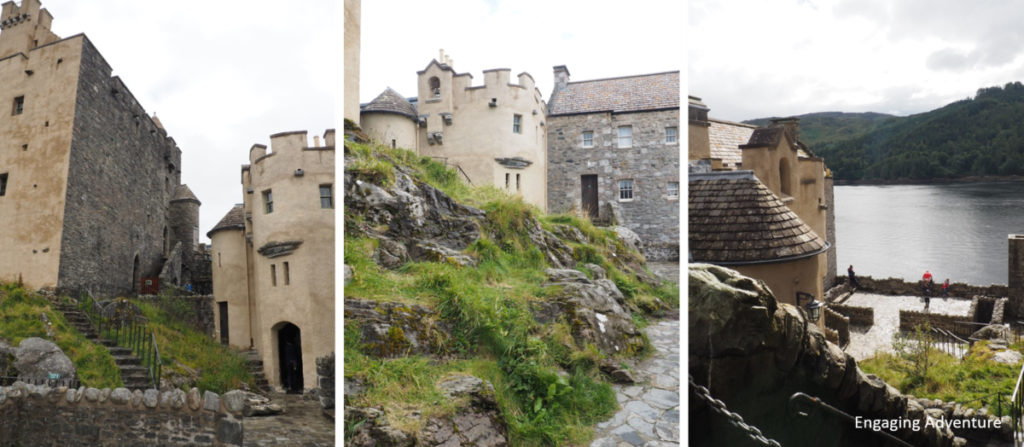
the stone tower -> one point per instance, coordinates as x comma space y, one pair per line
350, 15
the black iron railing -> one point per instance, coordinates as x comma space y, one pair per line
125, 330
52, 383
949, 343
1017, 410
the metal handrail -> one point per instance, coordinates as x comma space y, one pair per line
158, 366
131, 335
816, 403
1017, 410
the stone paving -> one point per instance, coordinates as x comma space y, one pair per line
649, 415
866, 340
301, 424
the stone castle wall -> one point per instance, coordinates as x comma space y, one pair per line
42, 416
117, 186
859, 316
898, 286
830, 234
650, 163
909, 319
197, 311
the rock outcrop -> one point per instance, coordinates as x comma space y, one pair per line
392, 330
753, 353
594, 311
38, 358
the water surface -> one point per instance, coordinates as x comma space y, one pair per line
958, 231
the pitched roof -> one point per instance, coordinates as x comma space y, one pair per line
626, 94
735, 219
390, 102
182, 192
233, 220
726, 138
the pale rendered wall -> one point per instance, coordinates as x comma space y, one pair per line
230, 283
352, 26
32, 209
384, 127
308, 300
480, 133
786, 278
700, 141
25, 35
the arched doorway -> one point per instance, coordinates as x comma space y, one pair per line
289, 352
136, 276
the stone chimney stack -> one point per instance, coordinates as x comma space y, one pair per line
792, 125
440, 58
561, 77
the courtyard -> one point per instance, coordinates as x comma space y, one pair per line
866, 340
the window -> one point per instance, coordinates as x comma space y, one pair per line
218, 260
507, 175
435, 86
19, 105
393, 144
625, 189
588, 139
268, 202
673, 189
626, 136
670, 135
287, 275
517, 124
3, 184
326, 199
273, 275
517, 182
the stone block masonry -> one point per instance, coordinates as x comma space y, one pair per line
859, 316
910, 319
899, 286
42, 416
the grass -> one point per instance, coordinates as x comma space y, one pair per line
970, 382
20, 312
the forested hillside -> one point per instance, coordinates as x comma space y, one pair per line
980, 136
824, 127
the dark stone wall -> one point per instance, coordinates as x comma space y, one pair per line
122, 171
325, 381
898, 286
650, 162
830, 234
859, 316
1016, 276
184, 219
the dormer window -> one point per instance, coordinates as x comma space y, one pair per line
435, 87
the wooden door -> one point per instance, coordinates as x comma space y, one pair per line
589, 195
223, 308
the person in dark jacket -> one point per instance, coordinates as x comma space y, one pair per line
291, 365
853, 277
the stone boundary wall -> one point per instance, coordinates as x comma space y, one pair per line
839, 323
898, 286
42, 416
196, 310
859, 316
910, 318
325, 381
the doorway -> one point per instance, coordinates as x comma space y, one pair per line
222, 308
136, 276
589, 195
289, 348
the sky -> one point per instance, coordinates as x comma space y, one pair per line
754, 59
221, 76
595, 39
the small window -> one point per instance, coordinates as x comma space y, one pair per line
517, 124
517, 182
625, 189
673, 189
19, 105
507, 177
326, 199
287, 275
218, 260
435, 87
3, 184
273, 275
393, 144
268, 202
670, 135
626, 136
588, 139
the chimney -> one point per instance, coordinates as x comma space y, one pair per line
451, 63
561, 77
792, 126
441, 57
316, 140
446, 60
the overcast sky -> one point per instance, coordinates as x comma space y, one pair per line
220, 75
595, 39
753, 59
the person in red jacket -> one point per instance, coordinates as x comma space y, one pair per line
927, 279
945, 289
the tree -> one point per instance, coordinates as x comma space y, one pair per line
915, 352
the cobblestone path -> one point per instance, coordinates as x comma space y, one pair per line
301, 424
649, 415
865, 340
665, 270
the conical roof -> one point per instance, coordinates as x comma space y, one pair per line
182, 192
736, 219
233, 220
390, 102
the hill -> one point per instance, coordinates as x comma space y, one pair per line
980, 136
822, 127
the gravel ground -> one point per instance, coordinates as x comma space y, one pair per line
865, 340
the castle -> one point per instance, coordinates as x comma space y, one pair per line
90, 185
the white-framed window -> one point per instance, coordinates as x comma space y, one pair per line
268, 202
517, 124
626, 189
588, 139
625, 136
670, 135
673, 189
326, 197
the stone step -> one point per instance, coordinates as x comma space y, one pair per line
105, 342
127, 360
119, 350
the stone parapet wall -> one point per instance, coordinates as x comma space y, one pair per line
195, 310
43, 416
839, 323
910, 319
664, 253
859, 316
325, 381
899, 286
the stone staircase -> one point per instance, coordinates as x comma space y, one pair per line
255, 364
133, 374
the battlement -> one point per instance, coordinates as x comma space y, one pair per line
29, 11
24, 27
294, 141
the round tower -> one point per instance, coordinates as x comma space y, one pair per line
184, 220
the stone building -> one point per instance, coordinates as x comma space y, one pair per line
493, 134
353, 12
90, 185
714, 140
737, 222
613, 148
272, 258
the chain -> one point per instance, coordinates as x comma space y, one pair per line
734, 418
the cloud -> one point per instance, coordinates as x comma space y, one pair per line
949, 59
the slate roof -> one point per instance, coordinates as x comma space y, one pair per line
735, 219
233, 220
726, 138
626, 94
390, 101
182, 192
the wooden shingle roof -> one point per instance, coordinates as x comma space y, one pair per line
735, 219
